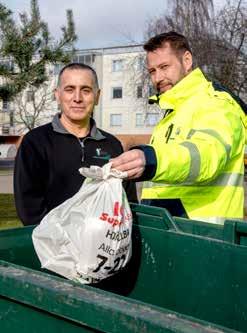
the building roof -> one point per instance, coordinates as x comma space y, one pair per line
113, 49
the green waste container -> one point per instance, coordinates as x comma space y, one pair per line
184, 276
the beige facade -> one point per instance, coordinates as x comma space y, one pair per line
122, 109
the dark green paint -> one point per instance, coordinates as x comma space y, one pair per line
184, 276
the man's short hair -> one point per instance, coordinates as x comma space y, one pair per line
81, 66
176, 41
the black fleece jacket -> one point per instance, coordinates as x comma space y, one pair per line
46, 167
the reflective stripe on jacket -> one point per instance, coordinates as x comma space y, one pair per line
199, 147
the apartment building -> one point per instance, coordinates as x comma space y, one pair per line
122, 110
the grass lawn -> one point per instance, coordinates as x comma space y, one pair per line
8, 217
4, 172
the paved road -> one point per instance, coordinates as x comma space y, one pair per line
6, 182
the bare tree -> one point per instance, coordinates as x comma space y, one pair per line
218, 40
230, 58
33, 106
140, 86
192, 18
189, 17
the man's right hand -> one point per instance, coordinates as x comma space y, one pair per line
133, 162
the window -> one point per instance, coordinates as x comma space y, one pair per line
5, 129
117, 65
115, 120
87, 59
139, 92
5, 105
30, 120
152, 119
57, 68
140, 63
80, 59
117, 92
139, 119
9, 65
151, 90
29, 96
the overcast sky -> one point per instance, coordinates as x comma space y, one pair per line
99, 23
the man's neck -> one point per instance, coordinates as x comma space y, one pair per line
79, 129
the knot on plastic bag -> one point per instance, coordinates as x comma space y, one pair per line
105, 172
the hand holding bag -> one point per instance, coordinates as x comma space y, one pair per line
88, 237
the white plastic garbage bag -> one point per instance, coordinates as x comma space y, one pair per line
88, 237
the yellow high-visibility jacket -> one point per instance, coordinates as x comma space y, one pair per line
199, 149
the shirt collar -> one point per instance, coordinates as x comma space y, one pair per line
59, 128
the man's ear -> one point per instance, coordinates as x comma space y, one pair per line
187, 61
97, 97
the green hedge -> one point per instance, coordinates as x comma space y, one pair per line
8, 216
7, 206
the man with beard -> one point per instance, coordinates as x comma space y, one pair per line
193, 165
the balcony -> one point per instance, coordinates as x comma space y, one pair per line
6, 130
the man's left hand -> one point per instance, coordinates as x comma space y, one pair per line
133, 162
